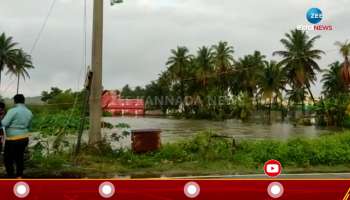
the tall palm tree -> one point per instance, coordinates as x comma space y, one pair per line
178, 65
223, 56
248, 69
295, 96
204, 64
344, 49
8, 53
223, 60
333, 84
22, 65
299, 59
271, 82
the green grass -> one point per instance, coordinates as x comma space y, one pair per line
202, 155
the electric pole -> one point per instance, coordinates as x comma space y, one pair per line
96, 63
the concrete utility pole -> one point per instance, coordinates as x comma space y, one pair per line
96, 62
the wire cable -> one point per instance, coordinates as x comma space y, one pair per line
46, 19
84, 63
85, 35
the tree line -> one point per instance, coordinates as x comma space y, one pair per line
251, 81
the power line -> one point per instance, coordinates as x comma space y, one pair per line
74, 104
40, 31
84, 49
85, 35
46, 19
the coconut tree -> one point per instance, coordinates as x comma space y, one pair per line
204, 65
299, 59
178, 65
248, 70
22, 64
223, 56
8, 54
222, 60
295, 97
333, 84
271, 82
344, 49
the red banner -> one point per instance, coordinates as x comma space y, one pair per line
174, 189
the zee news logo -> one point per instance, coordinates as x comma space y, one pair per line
314, 16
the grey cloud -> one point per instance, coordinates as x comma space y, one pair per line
140, 33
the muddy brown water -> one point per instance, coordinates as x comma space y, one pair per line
179, 129
176, 129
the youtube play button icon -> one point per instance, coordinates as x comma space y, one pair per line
273, 168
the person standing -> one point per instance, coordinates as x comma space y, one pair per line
2, 131
17, 122
2, 110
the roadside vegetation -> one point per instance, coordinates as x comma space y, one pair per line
204, 154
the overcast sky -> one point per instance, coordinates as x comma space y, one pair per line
139, 34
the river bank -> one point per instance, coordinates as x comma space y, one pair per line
204, 154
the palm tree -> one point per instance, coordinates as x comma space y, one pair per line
344, 49
22, 65
332, 82
295, 96
247, 70
272, 82
204, 64
223, 60
223, 56
299, 59
178, 65
8, 53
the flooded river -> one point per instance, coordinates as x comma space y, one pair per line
175, 129
178, 129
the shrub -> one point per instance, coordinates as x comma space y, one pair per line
299, 152
53, 124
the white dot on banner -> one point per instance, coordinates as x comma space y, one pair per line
275, 190
106, 189
21, 189
191, 189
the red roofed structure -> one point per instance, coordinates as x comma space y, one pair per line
112, 102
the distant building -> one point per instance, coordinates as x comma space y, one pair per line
112, 102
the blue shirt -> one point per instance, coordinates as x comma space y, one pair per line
17, 121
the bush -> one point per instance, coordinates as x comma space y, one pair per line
207, 147
332, 150
333, 111
54, 123
301, 152
266, 150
